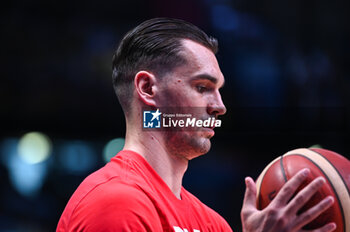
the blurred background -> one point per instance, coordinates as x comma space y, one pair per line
286, 65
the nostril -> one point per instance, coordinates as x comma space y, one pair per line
216, 110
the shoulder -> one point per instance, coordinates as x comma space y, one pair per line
117, 194
113, 192
113, 200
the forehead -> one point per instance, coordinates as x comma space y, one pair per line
200, 61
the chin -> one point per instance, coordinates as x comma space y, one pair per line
189, 145
199, 149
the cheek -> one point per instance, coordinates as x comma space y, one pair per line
172, 99
174, 95
179, 93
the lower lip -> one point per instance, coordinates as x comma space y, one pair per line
209, 130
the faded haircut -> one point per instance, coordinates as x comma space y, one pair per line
154, 46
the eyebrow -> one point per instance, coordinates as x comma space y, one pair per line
208, 77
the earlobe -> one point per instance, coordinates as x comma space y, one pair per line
145, 87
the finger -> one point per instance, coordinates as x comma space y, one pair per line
304, 195
314, 212
249, 201
326, 228
290, 187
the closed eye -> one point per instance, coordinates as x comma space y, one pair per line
201, 88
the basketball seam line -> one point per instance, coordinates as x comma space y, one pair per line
341, 177
283, 170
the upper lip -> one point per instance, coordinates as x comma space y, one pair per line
210, 127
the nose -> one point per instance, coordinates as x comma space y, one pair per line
216, 107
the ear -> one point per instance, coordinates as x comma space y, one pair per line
145, 85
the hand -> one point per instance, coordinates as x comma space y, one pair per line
281, 214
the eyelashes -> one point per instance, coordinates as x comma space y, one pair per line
201, 88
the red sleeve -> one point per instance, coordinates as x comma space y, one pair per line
122, 208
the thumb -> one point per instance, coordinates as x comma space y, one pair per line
249, 202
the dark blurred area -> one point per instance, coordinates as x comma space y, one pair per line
286, 65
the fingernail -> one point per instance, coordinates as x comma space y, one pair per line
246, 180
322, 179
330, 199
306, 172
333, 226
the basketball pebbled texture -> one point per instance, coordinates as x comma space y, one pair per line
321, 162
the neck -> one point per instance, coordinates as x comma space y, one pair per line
150, 145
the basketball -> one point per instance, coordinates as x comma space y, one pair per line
321, 162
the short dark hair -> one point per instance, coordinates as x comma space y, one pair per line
154, 46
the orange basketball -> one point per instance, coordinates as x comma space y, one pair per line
332, 166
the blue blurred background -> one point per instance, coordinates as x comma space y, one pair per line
286, 65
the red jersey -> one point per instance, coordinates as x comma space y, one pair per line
127, 195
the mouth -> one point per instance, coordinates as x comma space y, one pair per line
209, 131
212, 124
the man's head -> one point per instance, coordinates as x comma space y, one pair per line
170, 63
154, 46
